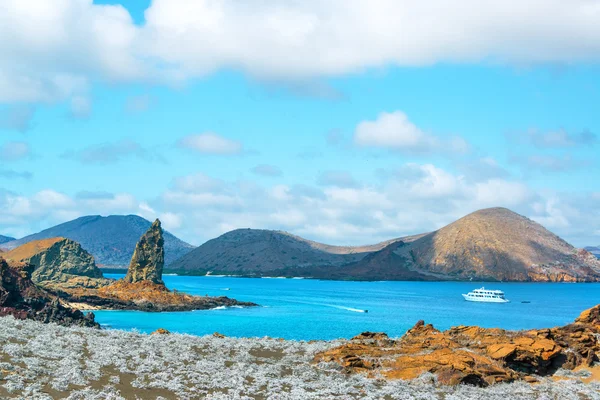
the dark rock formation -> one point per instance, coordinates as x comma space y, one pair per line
472, 355
148, 258
59, 263
21, 298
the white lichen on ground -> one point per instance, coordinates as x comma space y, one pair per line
40, 361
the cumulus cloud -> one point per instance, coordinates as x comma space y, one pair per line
18, 118
210, 143
57, 47
110, 153
396, 132
14, 151
413, 199
25, 214
267, 170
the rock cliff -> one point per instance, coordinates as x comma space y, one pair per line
472, 355
148, 258
59, 263
22, 299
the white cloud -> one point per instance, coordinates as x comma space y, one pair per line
416, 198
57, 47
396, 132
210, 143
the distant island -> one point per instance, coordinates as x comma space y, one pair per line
494, 244
110, 240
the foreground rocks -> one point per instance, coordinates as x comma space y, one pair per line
142, 288
472, 355
22, 299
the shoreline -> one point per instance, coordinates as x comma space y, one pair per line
183, 274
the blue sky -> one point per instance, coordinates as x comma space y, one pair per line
330, 122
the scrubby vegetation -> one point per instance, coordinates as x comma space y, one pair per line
40, 361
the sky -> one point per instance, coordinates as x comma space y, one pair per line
342, 121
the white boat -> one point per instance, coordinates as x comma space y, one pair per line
486, 296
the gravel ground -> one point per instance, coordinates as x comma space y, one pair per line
40, 361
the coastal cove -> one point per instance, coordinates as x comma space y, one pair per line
304, 309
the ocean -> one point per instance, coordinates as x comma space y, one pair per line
306, 309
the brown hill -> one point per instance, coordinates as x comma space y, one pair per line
498, 244
264, 252
58, 263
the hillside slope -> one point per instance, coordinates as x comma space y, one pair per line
260, 252
498, 244
6, 239
111, 240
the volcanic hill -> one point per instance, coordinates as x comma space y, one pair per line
110, 240
263, 252
490, 244
6, 239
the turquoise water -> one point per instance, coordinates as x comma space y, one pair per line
313, 309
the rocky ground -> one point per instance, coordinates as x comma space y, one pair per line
46, 361
473, 355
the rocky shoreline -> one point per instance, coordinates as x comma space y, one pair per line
473, 355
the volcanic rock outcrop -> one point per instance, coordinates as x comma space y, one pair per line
142, 288
149, 257
59, 263
472, 355
21, 298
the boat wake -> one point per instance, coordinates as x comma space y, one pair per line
347, 308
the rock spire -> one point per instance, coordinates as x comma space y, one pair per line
149, 257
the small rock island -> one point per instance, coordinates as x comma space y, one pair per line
142, 288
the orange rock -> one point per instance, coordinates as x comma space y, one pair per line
470, 354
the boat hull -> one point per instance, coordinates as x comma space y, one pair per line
484, 300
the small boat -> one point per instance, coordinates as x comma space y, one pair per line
525, 301
366, 311
226, 288
484, 295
